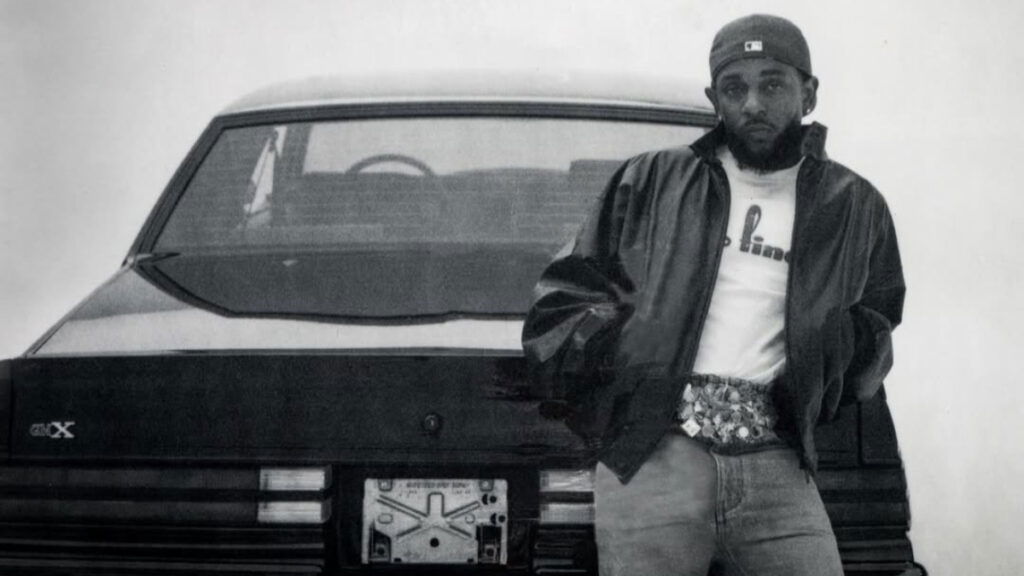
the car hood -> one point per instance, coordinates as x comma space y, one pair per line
342, 301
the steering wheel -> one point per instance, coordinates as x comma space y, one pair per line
382, 158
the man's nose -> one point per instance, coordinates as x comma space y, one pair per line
752, 105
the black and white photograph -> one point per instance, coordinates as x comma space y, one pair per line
511, 287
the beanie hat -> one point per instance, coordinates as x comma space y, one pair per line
760, 36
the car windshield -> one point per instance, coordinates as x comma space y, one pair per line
369, 184
428, 215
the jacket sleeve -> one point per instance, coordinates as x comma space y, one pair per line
876, 314
580, 302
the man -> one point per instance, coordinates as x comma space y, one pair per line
721, 300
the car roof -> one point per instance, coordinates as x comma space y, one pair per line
667, 92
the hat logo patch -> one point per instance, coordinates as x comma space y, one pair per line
753, 46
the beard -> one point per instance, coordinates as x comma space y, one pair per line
785, 152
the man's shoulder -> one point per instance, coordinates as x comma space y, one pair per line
664, 156
655, 164
843, 180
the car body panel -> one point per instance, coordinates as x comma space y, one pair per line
133, 315
528, 86
362, 408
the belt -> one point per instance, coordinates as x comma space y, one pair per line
727, 414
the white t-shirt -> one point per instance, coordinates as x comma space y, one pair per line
744, 334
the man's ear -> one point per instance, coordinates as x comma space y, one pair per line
713, 97
810, 94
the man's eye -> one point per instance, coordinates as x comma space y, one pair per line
733, 91
773, 87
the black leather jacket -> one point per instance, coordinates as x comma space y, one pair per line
616, 321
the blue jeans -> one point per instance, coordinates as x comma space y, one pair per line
687, 509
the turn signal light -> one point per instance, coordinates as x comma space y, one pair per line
567, 480
294, 479
567, 513
293, 512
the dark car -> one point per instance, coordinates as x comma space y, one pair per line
310, 360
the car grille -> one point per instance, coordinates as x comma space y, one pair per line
110, 520
167, 520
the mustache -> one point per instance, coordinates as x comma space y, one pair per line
757, 123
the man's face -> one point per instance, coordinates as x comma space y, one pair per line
758, 99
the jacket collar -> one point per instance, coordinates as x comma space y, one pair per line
813, 143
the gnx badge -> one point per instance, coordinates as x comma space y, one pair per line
55, 430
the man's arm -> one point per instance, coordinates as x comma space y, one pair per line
580, 301
877, 313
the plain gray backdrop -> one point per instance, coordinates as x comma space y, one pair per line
100, 100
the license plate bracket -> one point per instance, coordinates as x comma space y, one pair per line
435, 521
